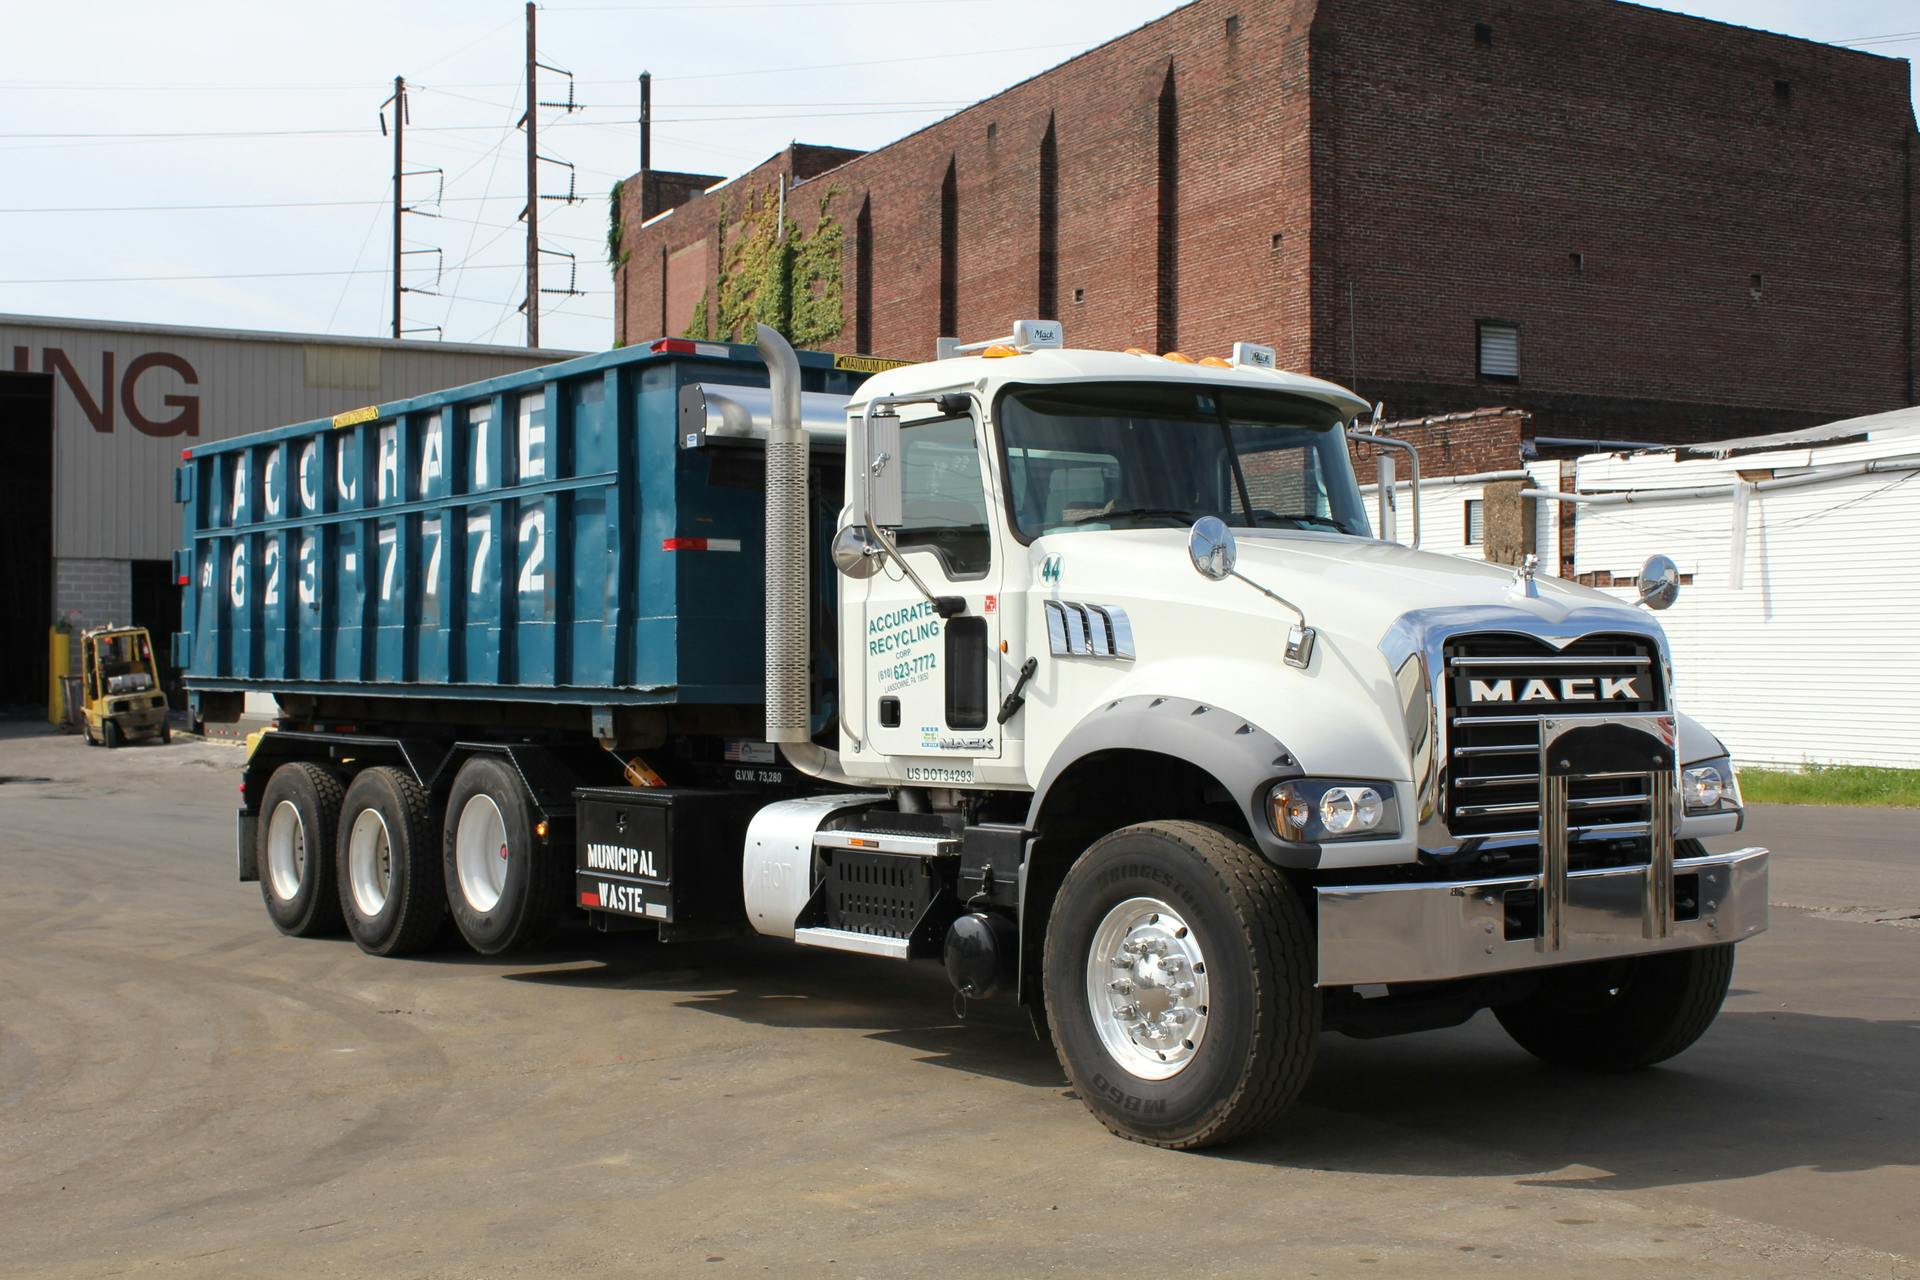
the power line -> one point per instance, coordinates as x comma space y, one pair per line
202, 208
239, 275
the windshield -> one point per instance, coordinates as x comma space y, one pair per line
1144, 454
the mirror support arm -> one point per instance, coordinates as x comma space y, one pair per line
945, 606
1413, 468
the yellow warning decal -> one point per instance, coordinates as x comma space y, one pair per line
867, 364
354, 417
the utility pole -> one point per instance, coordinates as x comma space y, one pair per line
533, 189
646, 121
399, 101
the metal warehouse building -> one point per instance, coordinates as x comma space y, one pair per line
93, 418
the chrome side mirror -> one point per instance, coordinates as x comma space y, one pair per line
1659, 582
1211, 547
856, 553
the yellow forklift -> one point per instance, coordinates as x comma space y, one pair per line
122, 698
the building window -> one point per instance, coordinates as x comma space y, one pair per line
1476, 522
1499, 350
1578, 261
1233, 25
1483, 34
1754, 284
1783, 91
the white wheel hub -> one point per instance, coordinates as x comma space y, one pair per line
1147, 988
286, 850
480, 853
369, 862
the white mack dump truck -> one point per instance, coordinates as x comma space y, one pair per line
1087, 676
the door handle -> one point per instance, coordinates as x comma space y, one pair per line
1011, 704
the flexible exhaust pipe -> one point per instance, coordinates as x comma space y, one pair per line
789, 600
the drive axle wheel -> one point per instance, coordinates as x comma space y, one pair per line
503, 894
293, 848
1179, 985
390, 891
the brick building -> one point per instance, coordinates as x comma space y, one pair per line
1631, 224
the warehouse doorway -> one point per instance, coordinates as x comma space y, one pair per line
26, 531
156, 606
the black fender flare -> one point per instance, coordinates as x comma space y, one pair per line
1243, 757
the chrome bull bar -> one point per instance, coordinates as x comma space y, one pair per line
1577, 746
1437, 930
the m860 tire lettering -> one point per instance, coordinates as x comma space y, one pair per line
1179, 985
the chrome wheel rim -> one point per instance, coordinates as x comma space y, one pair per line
369, 862
480, 853
286, 850
1147, 988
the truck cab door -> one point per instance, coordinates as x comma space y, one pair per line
924, 688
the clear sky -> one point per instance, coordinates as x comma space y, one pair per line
100, 102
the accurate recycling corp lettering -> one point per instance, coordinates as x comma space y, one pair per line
904, 639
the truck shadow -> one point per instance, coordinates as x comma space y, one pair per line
1762, 1092
771, 984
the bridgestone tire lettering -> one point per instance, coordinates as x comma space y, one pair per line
1264, 1020
314, 910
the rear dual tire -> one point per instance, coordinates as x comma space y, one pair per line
389, 884
502, 893
293, 850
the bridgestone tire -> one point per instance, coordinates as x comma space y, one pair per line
536, 881
313, 911
414, 906
1263, 1014
1617, 1016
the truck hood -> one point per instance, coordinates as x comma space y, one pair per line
1351, 587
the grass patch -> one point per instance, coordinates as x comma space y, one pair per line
1851, 784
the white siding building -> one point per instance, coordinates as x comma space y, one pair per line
1797, 639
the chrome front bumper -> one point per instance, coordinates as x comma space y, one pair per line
1390, 933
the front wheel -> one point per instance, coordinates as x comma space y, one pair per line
1179, 985
1622, 1015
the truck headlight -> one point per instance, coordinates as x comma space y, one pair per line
1709, 787
1313, 809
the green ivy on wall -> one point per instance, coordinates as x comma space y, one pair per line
772, 274
617, 252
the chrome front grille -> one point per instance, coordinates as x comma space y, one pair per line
1492, 791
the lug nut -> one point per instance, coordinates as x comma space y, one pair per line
1120, 986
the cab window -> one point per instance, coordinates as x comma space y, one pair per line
944, 499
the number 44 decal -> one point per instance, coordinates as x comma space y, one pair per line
1050, 570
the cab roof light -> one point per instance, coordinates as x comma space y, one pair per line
1027, 335
1177, 357
998, 351
1251, 355
1214, 362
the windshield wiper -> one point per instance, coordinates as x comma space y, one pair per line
1126, 513
1300, 517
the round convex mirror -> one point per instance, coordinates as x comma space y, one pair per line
1659, 582
1210, 546
855, 553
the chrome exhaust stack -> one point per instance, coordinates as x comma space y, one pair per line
788, 598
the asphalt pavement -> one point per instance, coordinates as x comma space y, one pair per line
185, 1092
